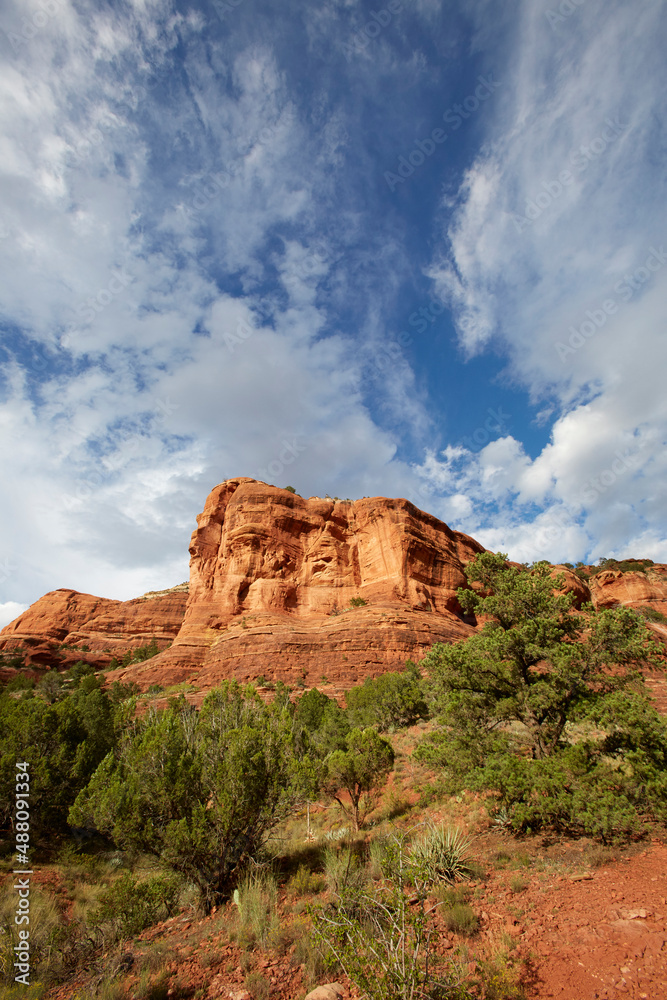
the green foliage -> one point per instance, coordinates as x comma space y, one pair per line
15, 658
290, 489
442, 855
390, 700
342, 870
304, 882
322, 726
258, 986
546, 706
359, 771
200, 790
51, 687
131, 906
256, 900
358, 602
139, 655
461, 919
310, 709
380, 936
624, 565
119, 692
20, 682
78, 671
652, 614
63, 742
47, 957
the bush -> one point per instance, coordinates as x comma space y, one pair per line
46, 933
131, 906
510, 696
390, 700
624, 565
652, 614
359, 771
258, 986
381, 938
357, 602
199, 790
256, 900
63, 742
304, 882
461, 919
442, 855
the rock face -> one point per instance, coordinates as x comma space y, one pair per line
632, 589
107, 628
311, 592
272, 577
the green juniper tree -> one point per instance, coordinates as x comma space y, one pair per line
360, 770
547, 706
200, 790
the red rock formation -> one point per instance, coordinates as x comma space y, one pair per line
272, 577
632, 589
108, 628
271, 580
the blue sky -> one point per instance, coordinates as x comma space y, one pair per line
403, 249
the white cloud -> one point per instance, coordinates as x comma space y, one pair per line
537, 261
9, 611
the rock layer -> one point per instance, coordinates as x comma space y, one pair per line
55, 628
272, 578
273, 583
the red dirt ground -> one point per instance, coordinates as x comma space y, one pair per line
596, 934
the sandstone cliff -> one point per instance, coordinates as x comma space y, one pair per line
55, 628
272, 578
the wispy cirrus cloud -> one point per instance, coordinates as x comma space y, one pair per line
554, 220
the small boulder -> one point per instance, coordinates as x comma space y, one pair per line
330, 991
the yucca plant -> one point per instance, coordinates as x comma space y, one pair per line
381, 937
442, 855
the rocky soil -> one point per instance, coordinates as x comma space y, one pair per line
574, 932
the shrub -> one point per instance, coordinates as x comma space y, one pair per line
624, 565
199, 790
304, 882
442, 855
379, 939
256, 899
506, 695
392, 699
64, 742
258, 986
131, 906
20, 682
342, 870
359, 771
461, 919
357, 602
652, 614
